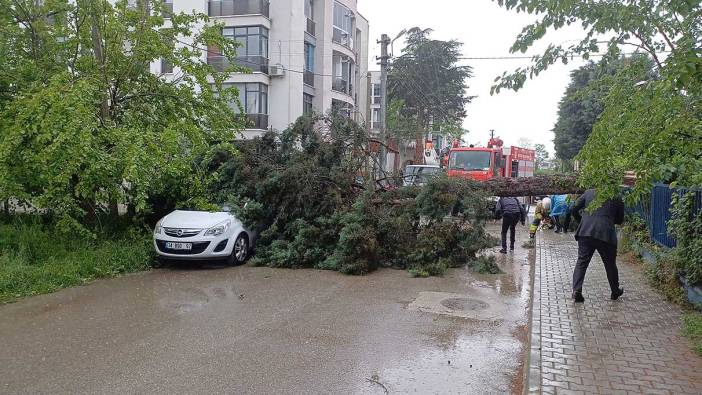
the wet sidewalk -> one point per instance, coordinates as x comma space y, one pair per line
628, 346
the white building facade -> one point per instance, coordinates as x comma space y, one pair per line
304, 56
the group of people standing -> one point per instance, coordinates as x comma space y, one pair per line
595, 233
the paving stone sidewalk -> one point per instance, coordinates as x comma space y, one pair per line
610, 347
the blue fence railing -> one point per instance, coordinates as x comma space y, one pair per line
655, 211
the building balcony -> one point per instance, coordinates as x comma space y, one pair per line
343, 39
308, 78
239, 7
255, 63
255, 121
342, 85
311, 26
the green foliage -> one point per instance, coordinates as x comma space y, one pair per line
653, 130
663, 274
87, 125
583, 102
692, 328
300, 188
542, 156
686, 226
35, 260
427, 86
649, 26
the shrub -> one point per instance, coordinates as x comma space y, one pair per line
692, 328
35, 259
686, 226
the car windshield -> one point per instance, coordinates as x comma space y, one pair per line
469, 160
419, 174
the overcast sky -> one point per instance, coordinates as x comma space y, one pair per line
486, 31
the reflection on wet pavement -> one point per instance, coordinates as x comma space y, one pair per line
259, 330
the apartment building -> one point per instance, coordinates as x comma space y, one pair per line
305, 55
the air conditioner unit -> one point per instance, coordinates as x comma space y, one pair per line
276, 70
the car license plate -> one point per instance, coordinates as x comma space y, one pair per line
179, 246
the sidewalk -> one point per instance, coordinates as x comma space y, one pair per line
629, 346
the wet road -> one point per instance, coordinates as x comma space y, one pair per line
259, 330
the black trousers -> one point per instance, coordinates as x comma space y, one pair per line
509, 221
566, 223
586, 249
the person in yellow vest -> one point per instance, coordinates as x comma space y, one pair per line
543, 209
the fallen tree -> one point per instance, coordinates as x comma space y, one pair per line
300, 189
557, 184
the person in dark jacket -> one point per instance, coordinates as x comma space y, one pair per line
596, 233
511, 212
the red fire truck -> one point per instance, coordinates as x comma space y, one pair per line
484, 163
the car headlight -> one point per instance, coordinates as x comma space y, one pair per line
159, 229
218, 229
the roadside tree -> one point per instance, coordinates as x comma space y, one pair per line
427, 88
86, 123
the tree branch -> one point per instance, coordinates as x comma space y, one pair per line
648, 49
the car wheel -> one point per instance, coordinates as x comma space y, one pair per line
240, 252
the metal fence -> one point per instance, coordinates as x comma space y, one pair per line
655, 211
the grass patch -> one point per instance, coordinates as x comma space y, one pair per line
692, 328
36, 260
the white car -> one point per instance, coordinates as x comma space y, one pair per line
200, 235
418, 175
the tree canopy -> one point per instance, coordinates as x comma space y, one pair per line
652, 128
654, 27
582, 103
427, 86
87, 123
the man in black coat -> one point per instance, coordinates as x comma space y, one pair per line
511, 212
596, 233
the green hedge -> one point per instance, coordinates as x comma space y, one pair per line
36, 260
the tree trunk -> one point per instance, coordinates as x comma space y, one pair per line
533, 186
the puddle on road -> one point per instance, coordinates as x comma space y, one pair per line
195, 299
478, 364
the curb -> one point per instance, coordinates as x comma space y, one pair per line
532, 364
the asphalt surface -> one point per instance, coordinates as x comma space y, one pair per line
259, 330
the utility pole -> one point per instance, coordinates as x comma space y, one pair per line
384, 64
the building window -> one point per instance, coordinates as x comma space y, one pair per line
375, 119
307, 103
167, 9
238, 7
309, 57
252, 51
376, 93
342, 69
254, 100
308, 76
343, 25
166, 67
